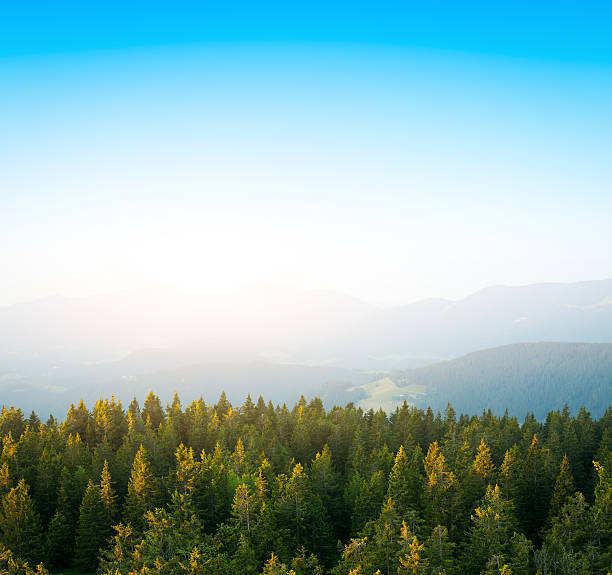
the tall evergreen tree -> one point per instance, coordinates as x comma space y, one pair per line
564, 488
493, 526
439, 483
535, 490
93, 530
326, 484
20, 527
107, 495
141, 492
412, 560
405, 485
439, 551
152, 411
61, 532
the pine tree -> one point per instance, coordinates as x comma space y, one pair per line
77, 421
304, 564
141, 491
45, 486
211, 495
412, 560
244, 560
509, 473
439, 551
93, 531
439, 483
5, 479
61, 533
535, 490
369, 500
384, 541
238, 458
326, 484
601, 513
301, 513
483, 464
186, 470
493, 525
567, 539
107, 495
519, 553
20, 527
152, 411
405, 484
242, 508
11, 565
564, 488
274, 566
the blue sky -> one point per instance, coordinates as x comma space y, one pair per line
389, 150
561, 30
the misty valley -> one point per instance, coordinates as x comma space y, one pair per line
308, 451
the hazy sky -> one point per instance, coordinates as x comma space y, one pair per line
373, 149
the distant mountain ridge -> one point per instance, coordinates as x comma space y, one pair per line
491, 317
301, 326
50, 346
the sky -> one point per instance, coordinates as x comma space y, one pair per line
390, 151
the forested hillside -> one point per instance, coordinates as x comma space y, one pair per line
522, 377
263, 489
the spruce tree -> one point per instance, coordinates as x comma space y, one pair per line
439, 551
369, 501
107, 495
406, 484
45, 485
493, 526
141, 491
483, 464
5, 479
61, 533
242, 508
20, 527
601, 513
326, 484
439, 483
509, 473
152, 411
535, 490
93, 531
564, 488
384, 534
186, 470
412, 559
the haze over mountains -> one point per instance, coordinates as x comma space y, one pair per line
270, 340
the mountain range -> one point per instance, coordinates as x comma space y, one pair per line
280, 340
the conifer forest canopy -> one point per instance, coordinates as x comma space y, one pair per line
263, 489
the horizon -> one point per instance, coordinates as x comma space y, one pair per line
265, 289
209, 151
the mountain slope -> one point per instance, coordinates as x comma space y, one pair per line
526, 377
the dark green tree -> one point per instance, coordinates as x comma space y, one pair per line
20, 527
61, 531
93, 530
